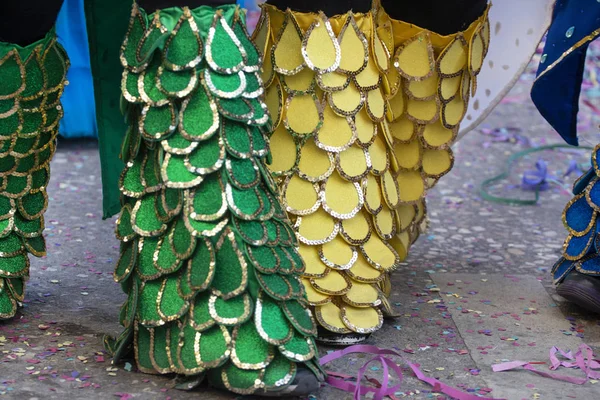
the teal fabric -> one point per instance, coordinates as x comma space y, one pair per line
107, 22
79, 118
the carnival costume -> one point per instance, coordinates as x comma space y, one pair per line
364, 111
208, 256
32, 80
555, 92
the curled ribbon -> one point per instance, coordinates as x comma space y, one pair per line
387, 363
583, 359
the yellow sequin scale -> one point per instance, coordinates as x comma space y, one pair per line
331, 158
427, 88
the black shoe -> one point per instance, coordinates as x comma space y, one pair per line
303, 384
340, 339
583, 290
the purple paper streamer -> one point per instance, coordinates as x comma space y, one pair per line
583, 359
387, 363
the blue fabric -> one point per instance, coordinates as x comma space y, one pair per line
579, 246
594, 194
556, 92
78, 99
561, 269
250, 5
582, 182
589, 266
579, 215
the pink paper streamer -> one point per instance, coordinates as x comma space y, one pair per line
583, 359
387, 363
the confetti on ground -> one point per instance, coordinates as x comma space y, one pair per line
55, 347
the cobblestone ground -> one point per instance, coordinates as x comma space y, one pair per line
474, 291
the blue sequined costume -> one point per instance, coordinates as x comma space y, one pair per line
555, 92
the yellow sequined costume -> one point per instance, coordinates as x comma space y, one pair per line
364, 110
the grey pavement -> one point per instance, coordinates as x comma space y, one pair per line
475, 290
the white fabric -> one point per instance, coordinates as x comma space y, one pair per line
516, 29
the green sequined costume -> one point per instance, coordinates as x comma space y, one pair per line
208, 257
32, 79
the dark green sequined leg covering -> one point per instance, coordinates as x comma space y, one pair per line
208, 257
32, 79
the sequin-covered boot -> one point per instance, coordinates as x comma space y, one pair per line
430, 80
208, 256
330, 158
577, 272
358, 136
32, 79
563, 64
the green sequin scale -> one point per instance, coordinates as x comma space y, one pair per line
208, 257
32, 80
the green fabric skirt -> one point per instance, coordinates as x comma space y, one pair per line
107, 22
